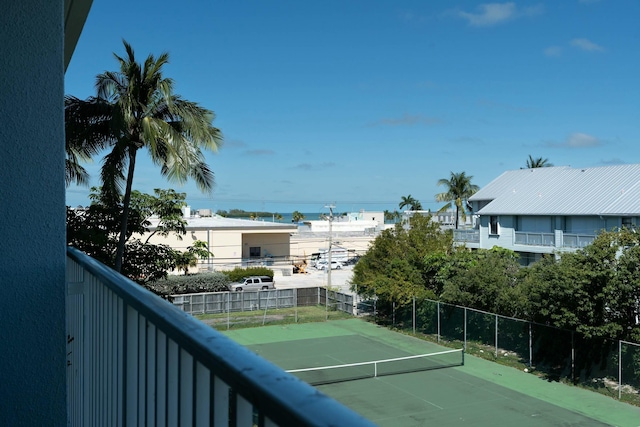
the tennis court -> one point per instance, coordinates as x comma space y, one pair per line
480, 393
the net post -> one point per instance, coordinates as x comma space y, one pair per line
464, 350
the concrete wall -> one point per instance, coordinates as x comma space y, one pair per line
32, 191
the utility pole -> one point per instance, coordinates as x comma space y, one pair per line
330, 236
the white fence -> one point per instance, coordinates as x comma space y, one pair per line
232, 302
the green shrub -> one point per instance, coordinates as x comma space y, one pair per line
194, 283
238, 273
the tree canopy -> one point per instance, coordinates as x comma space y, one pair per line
538, 162
410, 202
394, 268
594, 291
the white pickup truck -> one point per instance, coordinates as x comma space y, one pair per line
254, 283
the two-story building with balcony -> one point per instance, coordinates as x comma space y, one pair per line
552, 210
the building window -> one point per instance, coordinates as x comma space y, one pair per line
254, 252
627, 222
493, 225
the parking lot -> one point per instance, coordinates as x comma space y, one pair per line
314, 277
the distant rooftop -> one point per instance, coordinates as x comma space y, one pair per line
219, 222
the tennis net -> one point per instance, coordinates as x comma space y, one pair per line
377, 368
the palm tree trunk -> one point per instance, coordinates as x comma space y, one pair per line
457, 215
125, 209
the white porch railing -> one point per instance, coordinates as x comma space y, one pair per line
134, 359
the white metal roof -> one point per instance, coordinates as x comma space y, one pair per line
217, 222
606, 190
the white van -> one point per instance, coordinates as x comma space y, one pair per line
335, 265
254, 283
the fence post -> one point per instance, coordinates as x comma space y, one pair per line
438, 308
295, 302
228, 310
619, 369
530, 346
496, 336
393, 318
573, 359
464, 329
414, 315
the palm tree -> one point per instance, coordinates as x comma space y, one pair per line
296, 216
459, 189
136, 108
411, 203
82, 119
537, 163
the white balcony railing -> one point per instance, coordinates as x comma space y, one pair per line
577, 240
466, 236
134, 359
534, 239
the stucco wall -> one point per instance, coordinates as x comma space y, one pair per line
32, 336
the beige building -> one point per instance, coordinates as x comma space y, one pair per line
233, 242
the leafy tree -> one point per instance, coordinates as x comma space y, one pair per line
95, 231
167, 206
297, 216
538, 162
136, 108
277, 216
459, 189
593, 291
394, 268
410, 202
484, 279
189, 258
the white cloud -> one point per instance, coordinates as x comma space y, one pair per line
490, 14
553, 51
259, 153
587, 45
407, 120
577, 139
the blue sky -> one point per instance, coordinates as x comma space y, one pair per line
358, 103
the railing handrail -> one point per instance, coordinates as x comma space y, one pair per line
283, 397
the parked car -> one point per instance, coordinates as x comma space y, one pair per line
254, 283
335, 265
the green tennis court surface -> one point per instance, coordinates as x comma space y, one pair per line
480, 393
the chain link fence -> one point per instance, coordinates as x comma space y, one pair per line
228, 310
608, 366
